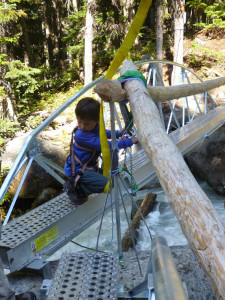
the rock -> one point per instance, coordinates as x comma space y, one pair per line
45, 195
37, 179
188, 267
208, 159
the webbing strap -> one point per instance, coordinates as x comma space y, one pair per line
117, 61
74, 158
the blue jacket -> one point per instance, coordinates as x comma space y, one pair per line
91, 140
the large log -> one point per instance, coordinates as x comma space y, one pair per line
111, 90
200, 223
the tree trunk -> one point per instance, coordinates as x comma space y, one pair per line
200, 222
88, 72
48, 36
27, 42
75, 5
159, 34
178, 39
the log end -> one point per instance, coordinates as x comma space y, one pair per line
110, 91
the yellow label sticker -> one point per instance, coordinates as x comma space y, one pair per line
44, 239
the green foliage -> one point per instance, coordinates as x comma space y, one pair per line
75, 31
6, 201
150, 48
197, 4
22, 77
214, 11
33, 122
9, 12
7, 128
204, 57
24, 82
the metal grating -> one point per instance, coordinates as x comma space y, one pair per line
29, 224
84, 276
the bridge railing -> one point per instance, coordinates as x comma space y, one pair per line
29, 151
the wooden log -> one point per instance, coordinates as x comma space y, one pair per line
199, 221
111, 90
145, 208
162, 93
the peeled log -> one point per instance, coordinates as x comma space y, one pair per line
145, 208
161, 93
111, 90
200, 223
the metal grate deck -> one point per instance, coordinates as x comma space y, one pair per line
39, 218
84, 276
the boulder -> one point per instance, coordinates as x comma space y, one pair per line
207, 160
37, 179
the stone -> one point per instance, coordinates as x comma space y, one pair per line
37, 179
207, 160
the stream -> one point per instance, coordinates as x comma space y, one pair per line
161, 221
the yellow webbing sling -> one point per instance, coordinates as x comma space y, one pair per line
117, 61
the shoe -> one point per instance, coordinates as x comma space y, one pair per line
26, 296
75, 198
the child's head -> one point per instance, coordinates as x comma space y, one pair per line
87, 113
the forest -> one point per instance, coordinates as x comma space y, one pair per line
53, 46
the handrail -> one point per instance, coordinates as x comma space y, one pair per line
167, 283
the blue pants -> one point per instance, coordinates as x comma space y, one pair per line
92, 182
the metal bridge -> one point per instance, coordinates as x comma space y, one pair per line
28, 240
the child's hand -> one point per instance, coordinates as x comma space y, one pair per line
122, 131
134, 139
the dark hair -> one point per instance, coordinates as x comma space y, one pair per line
88, 109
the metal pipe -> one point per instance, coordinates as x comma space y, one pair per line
17, 192
167, 283
115, 178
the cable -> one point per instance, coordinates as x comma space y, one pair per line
131, 232
100, 226
134, 203
82, 246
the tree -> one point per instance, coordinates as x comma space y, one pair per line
88, 72
178, 38
8, 13
159, 33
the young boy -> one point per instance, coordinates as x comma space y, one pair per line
87, 149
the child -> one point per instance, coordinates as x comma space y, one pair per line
81, 167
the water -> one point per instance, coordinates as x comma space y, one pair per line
161, 221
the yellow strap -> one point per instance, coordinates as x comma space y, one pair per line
117, 61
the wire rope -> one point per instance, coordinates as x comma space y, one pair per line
134, 203
130, 231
